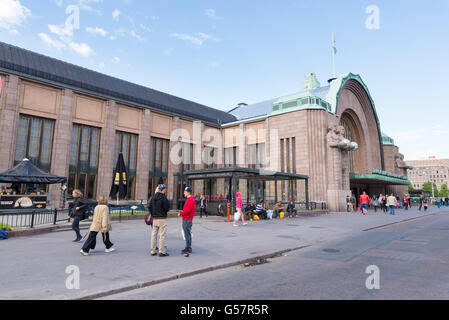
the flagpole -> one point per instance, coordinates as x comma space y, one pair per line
333, 55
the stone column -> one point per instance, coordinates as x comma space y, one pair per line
9, 121
61, 144
143, 157
107, 148
172, 167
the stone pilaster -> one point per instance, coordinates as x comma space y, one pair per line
9, 121
173, 168
143, 157
61, 144
107, 146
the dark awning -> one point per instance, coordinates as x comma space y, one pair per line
229, 172
26, 172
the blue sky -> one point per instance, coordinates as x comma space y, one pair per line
220, 53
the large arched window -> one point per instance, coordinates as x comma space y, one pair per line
349, 135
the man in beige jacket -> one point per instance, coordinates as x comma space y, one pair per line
101, 223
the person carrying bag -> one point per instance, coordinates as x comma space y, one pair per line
101, 223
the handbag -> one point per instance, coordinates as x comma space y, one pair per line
149, 219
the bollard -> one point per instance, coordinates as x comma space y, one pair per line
55, 216
32, 219
229, 212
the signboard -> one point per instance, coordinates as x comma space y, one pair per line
22, 202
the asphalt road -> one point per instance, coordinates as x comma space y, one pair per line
412, 259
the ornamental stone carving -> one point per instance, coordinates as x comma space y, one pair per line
336, 139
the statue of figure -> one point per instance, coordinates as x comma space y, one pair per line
336, 139
400, 163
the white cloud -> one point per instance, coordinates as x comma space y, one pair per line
136, 36
81, 48
58, 3
207, 37
12, 15
65, 31
97, 31
196, 40
85, 5
48, 40
116, 14
189, 38
143, 27
116, 60
210, 13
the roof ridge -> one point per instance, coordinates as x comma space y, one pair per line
93, 72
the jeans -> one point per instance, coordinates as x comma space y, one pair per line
92, 241
201, 212
391, 209
187, 228
76, 227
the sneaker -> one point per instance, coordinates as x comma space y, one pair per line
153, 254
184, 251
84, 253
77, 240
186, 255
111, 249
245, 224
163, 254
235, 225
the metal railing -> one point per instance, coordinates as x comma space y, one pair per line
32, 218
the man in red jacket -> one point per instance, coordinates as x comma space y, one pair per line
364, 202
187, 213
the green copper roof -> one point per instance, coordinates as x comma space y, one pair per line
386, 140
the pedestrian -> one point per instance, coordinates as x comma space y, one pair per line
392, 203
238, 207
375, 202
405, 202
187, 213
158, 208
348, 203
353, 203
261, 211
291, 210
278, 208
438, 200
421, 202
364, 202
425, 203
203, 206
384, 203
79, 207
101, 223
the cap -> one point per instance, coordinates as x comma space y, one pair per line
188, 189
162, 187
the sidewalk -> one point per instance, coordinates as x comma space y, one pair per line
34, 267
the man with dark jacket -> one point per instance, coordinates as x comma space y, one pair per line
158, 207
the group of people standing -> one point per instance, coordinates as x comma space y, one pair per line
158, 206
386, 203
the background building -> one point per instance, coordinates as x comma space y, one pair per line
74, 122
429, 170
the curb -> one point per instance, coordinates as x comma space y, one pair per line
187, 274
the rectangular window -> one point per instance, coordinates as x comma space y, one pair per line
83, 169
158, 163
294, 154
35, 141
231, 157
210, 157
126, 143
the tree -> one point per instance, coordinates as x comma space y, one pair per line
444, 192
410, 188
428, 187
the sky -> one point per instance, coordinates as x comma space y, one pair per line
221, 53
